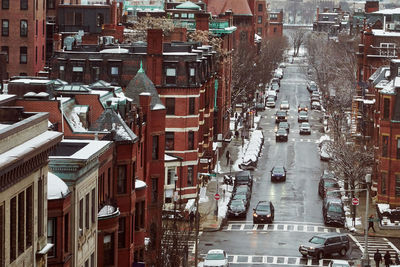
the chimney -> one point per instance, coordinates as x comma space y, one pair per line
202, 20
154, 55
371, 6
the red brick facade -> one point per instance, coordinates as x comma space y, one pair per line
275, 24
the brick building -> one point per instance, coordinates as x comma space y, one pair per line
274, 26
23, 186
23, 36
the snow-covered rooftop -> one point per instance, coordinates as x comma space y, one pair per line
158, 106
91, 148
396, 82
6, 96
107, 210
388, 11
27, 81
139, 184
385, 33
56, 188
115, 51
169, 158
388, 89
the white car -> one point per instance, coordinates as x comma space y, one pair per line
339, 263
270, 102
272, 93
216, 257
285, 104
324, 151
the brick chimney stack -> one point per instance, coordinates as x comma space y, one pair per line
371, 6
202, 20
154, 55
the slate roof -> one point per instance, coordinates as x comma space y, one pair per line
238, 7
142, 84
109, 120
188, 5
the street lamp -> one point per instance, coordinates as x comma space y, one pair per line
365, 259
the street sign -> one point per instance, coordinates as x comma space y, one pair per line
217, 196
355, 201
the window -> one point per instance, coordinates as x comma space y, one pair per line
154, 151
383, 183
133, 175
190, 176
170, 105
274, 16
5, 27
386, 108
5, 50
169, 140
387, 49
87, 206
137, 214
192, 102
184, 15
275, 29
100, 19
29, 216
92, 260
398, 149
23, 28
154, 190
260, 7
24, 4
21, 223
5, 4
42, 52
51, 236
36, 54
385, 142
190, 140
77, 74
192, 75
191, 16
114, 71
95, 74
170, 175
170, 76
50, 4
397, 186
66, 233
23, 55
121, 233
13, 229
108, 249
259, 19
81, 217
93, 207
259, 31
78, 19
62, 72
121, 180
36, 28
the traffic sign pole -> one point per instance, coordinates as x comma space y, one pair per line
355, 201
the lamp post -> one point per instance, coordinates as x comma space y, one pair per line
365, 259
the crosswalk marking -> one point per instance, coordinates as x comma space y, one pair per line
375, 243
280, 227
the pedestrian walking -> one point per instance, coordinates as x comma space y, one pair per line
377, 258
396, 259
228, 156
371, 220
387, 258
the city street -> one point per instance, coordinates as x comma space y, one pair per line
298, 213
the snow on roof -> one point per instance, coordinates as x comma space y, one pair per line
388, 89
388, 11
115, 51
121, 95
369, 101
385, 33
179, 54
30, 81
75, 121
257, 37
169, 158
107, 210
99, 92
6, 96
381, 84
81, 109
139, 184
122, 133
2, 126
28, 146
91, 148
396, 82
158, 106
383, 207
56, 188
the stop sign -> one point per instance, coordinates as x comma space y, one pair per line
355, 201
216, 196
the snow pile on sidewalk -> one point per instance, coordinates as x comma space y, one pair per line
253, 150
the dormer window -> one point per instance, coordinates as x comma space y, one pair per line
170, 75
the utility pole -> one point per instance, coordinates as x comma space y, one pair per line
365, 259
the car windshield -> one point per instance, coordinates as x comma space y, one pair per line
335, 208
242, 178
303, 113
275, 86
285, 102
331, 184
237, 203
241, 193
283, 125
281, 113
281, 131
215, 256
333, 194
270, 99
262, 207
313, 86
317, 240
239, 197
305, 125
315, 103
278, 170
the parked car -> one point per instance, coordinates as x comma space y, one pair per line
325, 244
259, 106
303, 116
305, 128
315, 98
316, 94
324, 150
278, 73
312, 86
263, 212
280, 115
275, 87
302, 106
285, 125
272, 93
282, 65
276, 80
243, 178
339, 263
285, 104
278, 173
237, 208
333, 213
325, 183
316, 105
270, 103
216, 257
331, 193
327, 174
281, 135
245, 198
242, 190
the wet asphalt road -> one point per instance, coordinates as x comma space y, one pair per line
298, 213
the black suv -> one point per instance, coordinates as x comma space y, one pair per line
333, 212
325, 184
280, 115
244, 178
322, 245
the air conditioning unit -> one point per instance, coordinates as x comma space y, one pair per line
391, 26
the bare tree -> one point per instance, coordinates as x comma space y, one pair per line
297, 38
